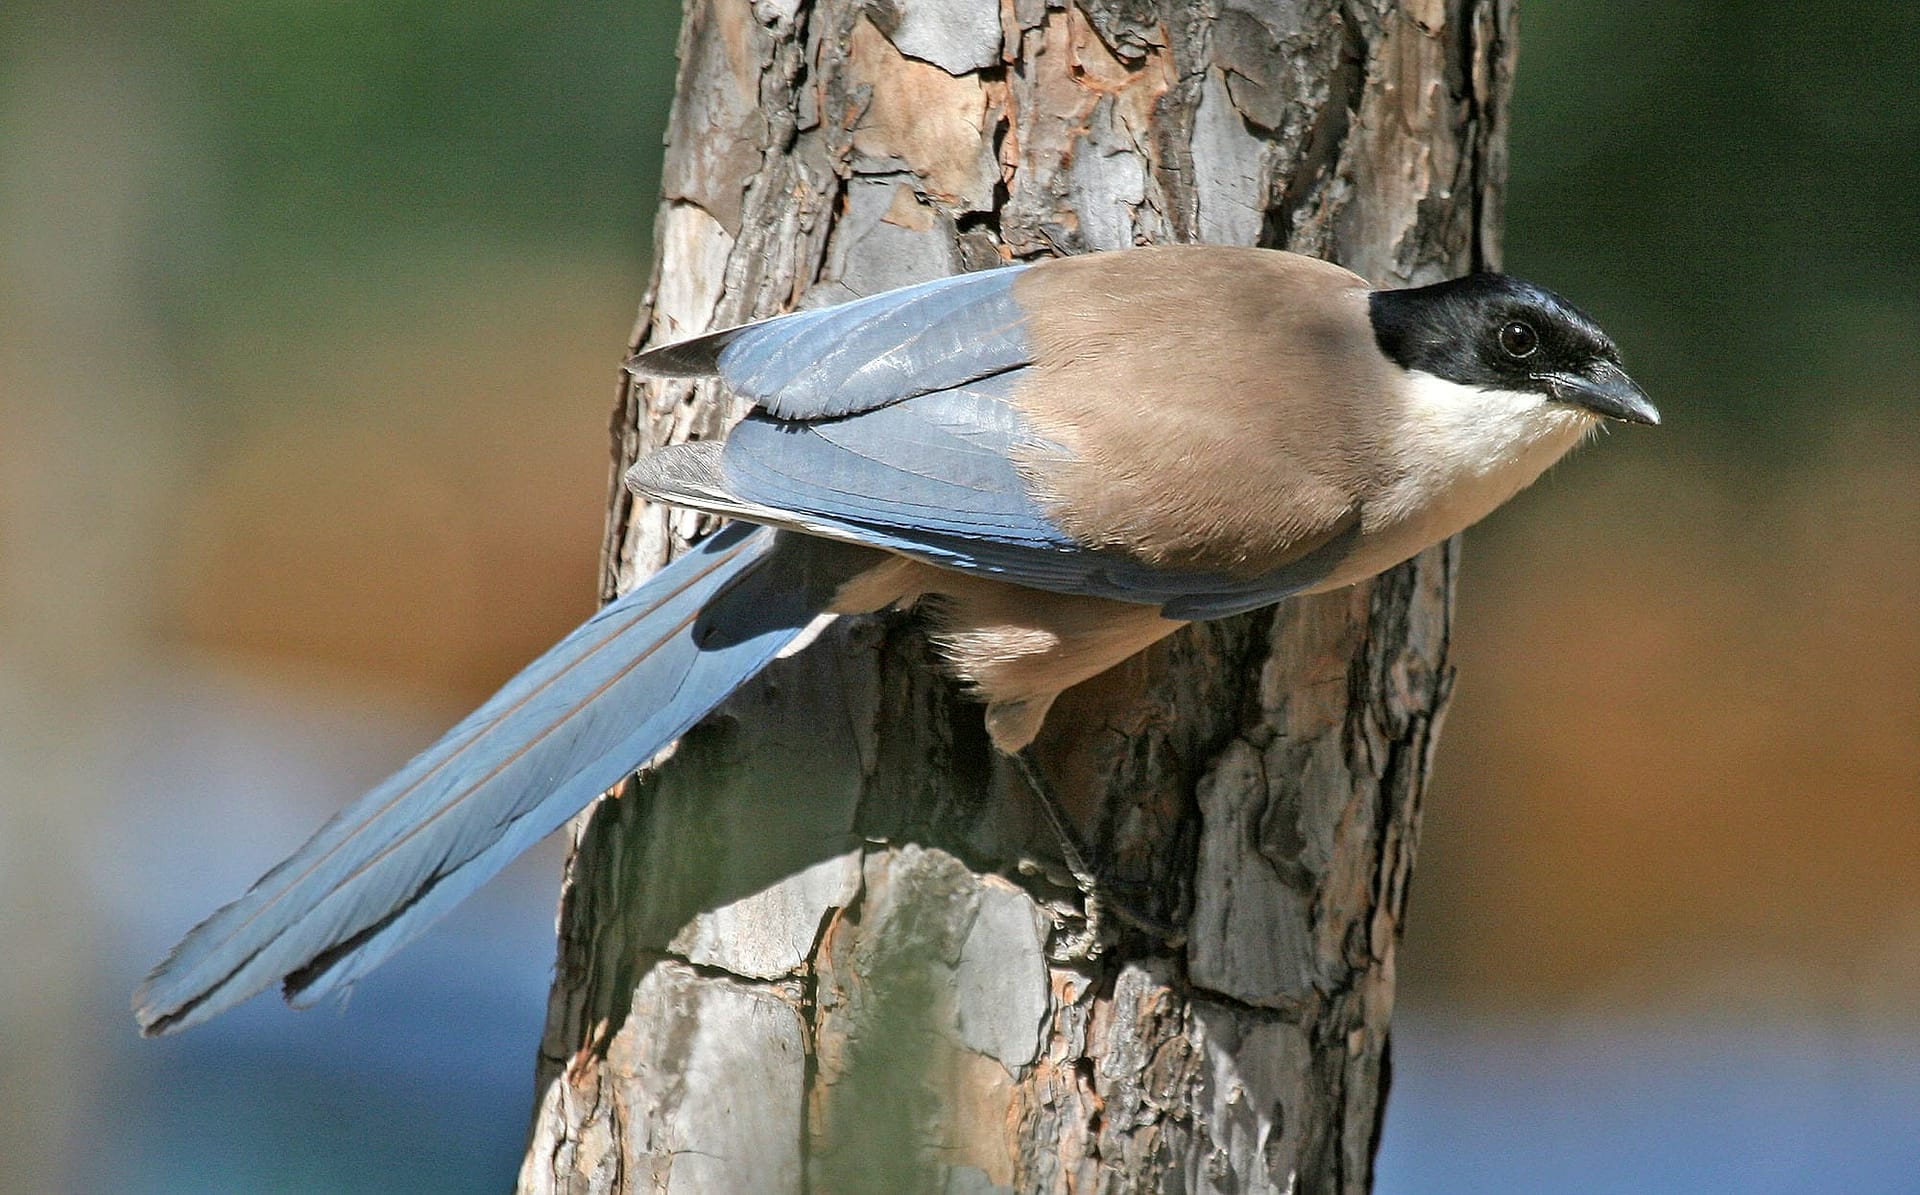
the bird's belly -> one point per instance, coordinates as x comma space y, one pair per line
1016, 648
1013, 644
1019, 648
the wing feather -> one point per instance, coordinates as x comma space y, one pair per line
862, 355
939, 477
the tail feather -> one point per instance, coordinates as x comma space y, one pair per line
570, 726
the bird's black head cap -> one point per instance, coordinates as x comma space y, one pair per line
1494, 331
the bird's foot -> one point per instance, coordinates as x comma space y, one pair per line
1100, 897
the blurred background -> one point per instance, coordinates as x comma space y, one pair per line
309, 317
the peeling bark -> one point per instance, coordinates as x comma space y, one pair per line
805, 952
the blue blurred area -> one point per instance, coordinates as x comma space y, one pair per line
423, 1081
424, 1084
1576, 1105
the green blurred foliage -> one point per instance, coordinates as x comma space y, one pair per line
366, 119
349, 155
1734, 188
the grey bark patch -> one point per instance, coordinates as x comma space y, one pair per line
1131, 29
1107, 170
971, 1180
723, 128
877, 246
920, 902
711, 1041
1231, 165
770, 934
955, 35
1253, 47
777, 15
1255, 1097
1000, 984
1250, 935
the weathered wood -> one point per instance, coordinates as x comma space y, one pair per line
802, 954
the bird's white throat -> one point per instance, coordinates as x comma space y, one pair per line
1466, 449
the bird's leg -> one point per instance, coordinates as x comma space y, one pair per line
1074, 853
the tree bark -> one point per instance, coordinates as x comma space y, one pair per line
804, 954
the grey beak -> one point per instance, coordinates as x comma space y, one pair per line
1605, 390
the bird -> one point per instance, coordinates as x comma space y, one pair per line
1060, 461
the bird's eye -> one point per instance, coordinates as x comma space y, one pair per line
1518, 339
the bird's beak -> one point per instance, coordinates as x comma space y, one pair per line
1605, 389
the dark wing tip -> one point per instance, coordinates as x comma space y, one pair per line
152, 1022
162, 1004
154, 1012
157, 1015
698, 357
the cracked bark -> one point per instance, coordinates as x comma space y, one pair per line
803, 953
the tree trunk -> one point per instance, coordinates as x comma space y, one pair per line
804, 954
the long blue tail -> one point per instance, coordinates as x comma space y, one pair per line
573, 724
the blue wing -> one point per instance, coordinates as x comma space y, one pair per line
864, 354
939, 477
